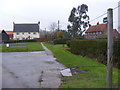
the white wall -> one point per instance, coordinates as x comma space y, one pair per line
25, 35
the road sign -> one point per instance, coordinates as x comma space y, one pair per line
105, 20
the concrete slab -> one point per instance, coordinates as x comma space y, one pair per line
66, 72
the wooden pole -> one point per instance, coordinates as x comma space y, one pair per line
110, 48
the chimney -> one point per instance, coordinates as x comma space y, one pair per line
38, 22
97, 23
89, 25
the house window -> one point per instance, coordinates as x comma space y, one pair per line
100, 32
96, 32
29, 33
17, 38
17, 33
34, 33
23, 38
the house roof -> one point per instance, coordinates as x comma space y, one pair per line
26, 28
9, 32
3, 31
103, 28
100, 27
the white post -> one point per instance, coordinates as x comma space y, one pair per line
110, 48
7, 45
58, 24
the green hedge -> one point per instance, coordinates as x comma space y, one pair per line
60, 41
18, 41
96, 49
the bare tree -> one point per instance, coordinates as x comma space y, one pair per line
53, 26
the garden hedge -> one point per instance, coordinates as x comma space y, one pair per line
60, 41
18, 41
96, 49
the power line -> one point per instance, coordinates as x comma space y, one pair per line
116, 7
98, 17
104, 13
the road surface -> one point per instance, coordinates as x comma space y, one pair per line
30, 70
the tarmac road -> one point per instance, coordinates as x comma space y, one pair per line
30, 70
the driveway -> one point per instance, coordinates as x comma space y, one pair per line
30, 70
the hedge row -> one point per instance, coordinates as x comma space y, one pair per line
42, 39
96, 49
60, 41
18, 41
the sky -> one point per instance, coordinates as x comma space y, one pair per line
49, 11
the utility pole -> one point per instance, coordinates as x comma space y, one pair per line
110, 48
119, 16
58, 25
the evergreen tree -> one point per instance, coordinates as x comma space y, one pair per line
79, 21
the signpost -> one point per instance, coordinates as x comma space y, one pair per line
105, 20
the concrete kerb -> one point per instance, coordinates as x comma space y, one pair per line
48, 52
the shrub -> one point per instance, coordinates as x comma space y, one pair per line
68, 43
95, 49
42, 39
60, 41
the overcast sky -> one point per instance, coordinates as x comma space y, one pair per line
48, 11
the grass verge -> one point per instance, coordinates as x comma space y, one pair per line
96, 78
22, 47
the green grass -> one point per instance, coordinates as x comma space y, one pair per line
22, 47
95, 78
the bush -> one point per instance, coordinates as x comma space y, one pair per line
42, 39
60, 41
68, 43
95, 49
19, 41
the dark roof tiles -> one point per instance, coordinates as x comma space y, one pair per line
26, 28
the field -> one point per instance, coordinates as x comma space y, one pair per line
95, 78
22, 47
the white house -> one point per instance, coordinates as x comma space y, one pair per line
26, 31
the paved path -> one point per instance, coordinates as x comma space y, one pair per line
47, 51
30, 70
